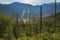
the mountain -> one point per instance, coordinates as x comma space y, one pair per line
17, 8
49, 9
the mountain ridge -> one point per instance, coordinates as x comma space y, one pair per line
17, 7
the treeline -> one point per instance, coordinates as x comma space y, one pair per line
50, 29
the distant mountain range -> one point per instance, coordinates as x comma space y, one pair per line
16, 7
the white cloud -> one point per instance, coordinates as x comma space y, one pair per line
32, 2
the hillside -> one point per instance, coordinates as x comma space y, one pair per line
17, 8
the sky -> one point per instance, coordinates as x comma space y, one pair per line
32, 2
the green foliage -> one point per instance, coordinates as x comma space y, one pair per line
56, 36
19, 30
5, 26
